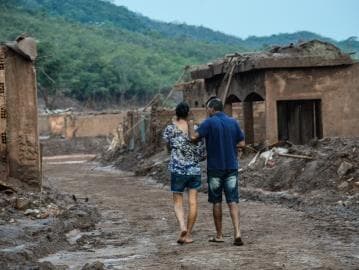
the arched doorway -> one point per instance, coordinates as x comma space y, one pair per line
230, 101
254, 118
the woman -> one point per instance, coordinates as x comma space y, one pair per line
185, 170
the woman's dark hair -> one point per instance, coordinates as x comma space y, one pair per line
182, 110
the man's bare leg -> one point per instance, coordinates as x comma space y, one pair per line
192, 213
234, 211
178, 206
217, 216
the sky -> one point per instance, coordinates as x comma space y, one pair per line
337, 19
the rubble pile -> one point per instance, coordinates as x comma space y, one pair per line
33, 225
328, 168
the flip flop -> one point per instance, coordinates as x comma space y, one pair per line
215, 240
238, 242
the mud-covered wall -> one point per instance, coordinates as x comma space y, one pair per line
80, 125
336, 87
22, 130
3, 152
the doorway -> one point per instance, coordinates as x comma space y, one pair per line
299, 121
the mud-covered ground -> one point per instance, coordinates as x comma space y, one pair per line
33, 225
138, 229
52, 146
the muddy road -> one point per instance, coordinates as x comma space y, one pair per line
138, 229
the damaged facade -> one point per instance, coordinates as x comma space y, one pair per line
296, 93
19, 145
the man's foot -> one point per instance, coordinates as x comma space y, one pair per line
182, 237
216, 239
238, 241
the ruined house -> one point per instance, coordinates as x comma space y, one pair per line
19, 146
295, 93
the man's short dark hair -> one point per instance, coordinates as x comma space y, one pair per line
215, 103
182, 110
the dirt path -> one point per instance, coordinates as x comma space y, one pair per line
138, 229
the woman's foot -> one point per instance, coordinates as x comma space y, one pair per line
188, 239
182, 237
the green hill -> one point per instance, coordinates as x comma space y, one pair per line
92, 49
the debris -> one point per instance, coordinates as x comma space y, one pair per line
296, 156
344, 168
340, 203
94, 266
253, 161
343, 185
280, 150
9, 192
22, 203
251, 148
267, 155
4, 187
78, 198
32, 212
356, 187
53, 210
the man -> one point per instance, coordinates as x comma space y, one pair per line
222, 134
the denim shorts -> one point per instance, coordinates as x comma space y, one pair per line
223, 180
181, 181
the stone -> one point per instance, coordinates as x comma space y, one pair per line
343, 185
22, 203
344, 168
94, 266
356, 187
32, 212
340, 203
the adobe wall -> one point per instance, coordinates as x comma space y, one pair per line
3, 154
22, 133
80, 125
336, 87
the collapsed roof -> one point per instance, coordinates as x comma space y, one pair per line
313, 53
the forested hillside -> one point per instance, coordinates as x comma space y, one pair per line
92, 49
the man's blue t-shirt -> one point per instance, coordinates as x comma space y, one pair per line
222, 135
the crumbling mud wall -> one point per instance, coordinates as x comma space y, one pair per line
144, 129
337, 89
75, 125
3, 153
22, 146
